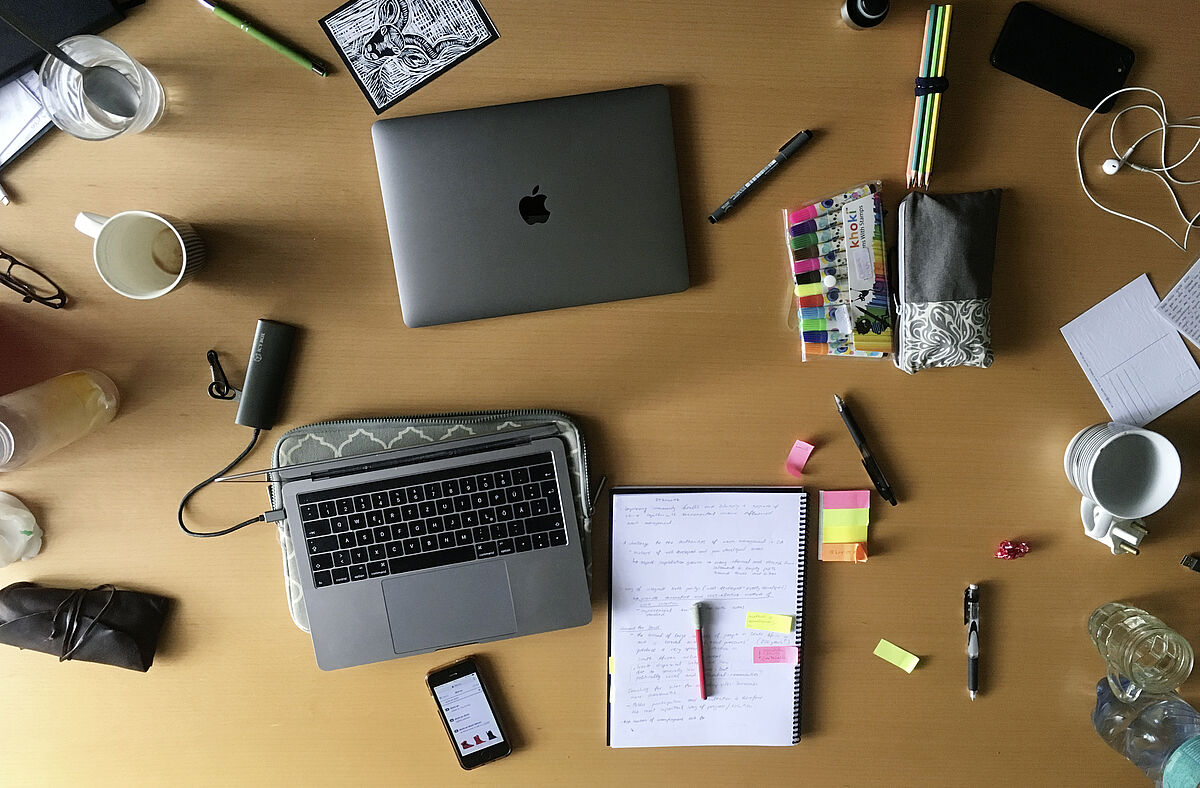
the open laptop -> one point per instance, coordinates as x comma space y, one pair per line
538, 205
407, 551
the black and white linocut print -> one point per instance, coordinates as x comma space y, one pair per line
393, 47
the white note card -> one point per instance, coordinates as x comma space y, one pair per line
735, 552
1134, 359
1181, 307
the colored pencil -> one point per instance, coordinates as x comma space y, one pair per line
939, 25
917, 105
919, 115
937, 98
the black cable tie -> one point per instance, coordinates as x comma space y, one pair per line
927, 85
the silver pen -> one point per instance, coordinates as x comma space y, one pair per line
971, 620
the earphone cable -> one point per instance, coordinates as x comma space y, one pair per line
1163, 173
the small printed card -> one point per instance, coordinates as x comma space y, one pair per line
393, 47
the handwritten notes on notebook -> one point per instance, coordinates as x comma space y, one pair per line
1181, 307
737, 552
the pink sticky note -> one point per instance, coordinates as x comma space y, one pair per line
797, 457
845, 499
767, 655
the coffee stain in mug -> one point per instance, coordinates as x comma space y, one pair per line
167, 252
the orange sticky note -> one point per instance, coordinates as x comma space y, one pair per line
855, 552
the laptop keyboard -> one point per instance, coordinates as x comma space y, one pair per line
446, 517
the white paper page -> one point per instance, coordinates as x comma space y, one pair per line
1135, 360
736, 552
1181, 307
21, 114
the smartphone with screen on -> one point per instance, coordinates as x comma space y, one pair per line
1062, 57
468, 713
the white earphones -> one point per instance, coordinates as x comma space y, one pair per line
1163, 173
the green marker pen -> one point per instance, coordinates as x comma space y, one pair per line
316, 66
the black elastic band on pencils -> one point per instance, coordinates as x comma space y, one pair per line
927, 85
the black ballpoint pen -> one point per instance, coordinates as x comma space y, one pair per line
789, 147
873, 470
971, 619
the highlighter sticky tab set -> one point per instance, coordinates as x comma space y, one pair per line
838, 262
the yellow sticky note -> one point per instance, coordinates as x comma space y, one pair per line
845, 517
772, 622
844, 552
840, 534
892, 653
612, 665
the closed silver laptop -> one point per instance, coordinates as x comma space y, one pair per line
412, 550
538, 205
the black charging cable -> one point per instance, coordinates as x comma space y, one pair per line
183, 503
258, 402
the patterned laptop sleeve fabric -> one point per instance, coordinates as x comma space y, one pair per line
330, 439
947, 252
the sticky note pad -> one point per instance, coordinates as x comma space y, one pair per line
835, 517
772, 622
797, 458
892, 653
845, 499
843, 533
856, 553
782, 655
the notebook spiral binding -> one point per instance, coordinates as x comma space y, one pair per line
798, 628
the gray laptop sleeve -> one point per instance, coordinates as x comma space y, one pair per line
947, 253
347, 438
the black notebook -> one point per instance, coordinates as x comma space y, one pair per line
740, 553
55, 20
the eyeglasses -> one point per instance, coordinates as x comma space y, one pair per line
30, 283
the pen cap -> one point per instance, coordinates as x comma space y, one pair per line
696, 616
861, 14
266, 373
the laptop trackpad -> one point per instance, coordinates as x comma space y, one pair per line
449, 607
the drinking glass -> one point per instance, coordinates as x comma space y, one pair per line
62, 91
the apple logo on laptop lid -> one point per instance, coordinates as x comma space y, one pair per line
533, 208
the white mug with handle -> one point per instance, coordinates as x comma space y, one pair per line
1125, 473
143, 255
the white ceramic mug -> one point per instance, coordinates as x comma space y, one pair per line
143, 255
1123, 472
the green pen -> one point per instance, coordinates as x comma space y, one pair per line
316, 66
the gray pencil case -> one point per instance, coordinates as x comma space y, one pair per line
348, 438
947, 250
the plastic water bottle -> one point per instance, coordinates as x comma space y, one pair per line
1159, 734
47, 416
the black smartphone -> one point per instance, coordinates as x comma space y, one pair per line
468, 713
1060, 56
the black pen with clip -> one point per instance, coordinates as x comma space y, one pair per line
789, 147
873, 470
971, 620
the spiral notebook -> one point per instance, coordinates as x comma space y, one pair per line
740, 552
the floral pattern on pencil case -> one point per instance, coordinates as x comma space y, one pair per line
945, 334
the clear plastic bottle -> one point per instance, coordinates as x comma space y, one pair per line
1159, 734
1142, 653
48, 415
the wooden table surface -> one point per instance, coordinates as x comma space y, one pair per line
275, 168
